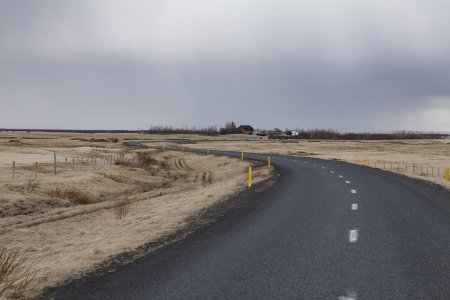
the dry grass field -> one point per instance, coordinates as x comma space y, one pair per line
423, 159
109, 199
95, 207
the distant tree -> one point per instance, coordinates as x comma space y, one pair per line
230, 125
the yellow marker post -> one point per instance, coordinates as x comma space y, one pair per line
249, 179
242, 155
268, 162
365, 161
447, 175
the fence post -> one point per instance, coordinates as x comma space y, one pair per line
35, 168
242, 155
65, 165
54, 162
14, 169
268, 162
249, 179
447, 175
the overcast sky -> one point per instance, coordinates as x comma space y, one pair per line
350, 65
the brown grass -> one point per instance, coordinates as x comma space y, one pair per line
121, 208
15, 273
257, 172
241, 181
72, 194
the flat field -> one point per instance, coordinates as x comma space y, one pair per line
67, 224
423, 159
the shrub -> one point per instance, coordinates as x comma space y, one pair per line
15, 274
121, 208
141, 160
72, 194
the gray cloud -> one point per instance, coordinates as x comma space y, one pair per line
128, 64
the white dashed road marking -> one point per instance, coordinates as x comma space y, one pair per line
355, 206
332, 172
350, 296
340, 176
323, 168
353, 236
347, 182
353, 191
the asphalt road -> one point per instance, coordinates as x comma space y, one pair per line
324, 230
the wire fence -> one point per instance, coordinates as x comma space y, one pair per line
418, 170
60, 165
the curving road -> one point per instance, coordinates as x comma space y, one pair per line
324, 230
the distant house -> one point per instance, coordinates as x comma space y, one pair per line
293, 133
276, 131
246, 129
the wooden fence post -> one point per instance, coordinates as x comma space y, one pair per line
14, 169
35, 168
65, 165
